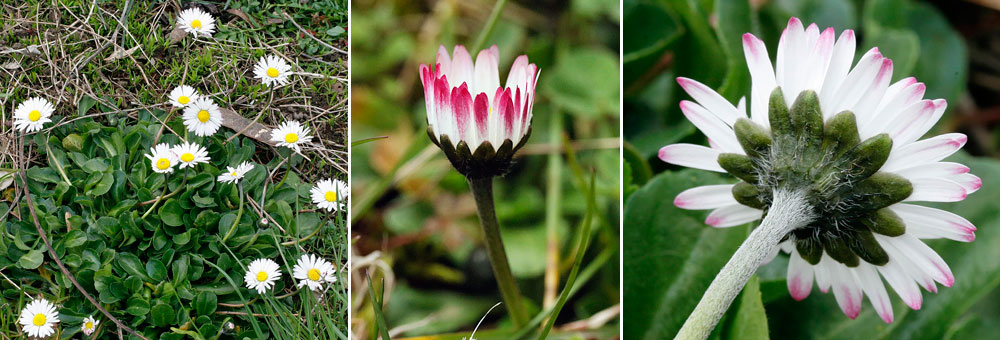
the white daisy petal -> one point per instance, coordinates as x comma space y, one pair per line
234, 175
202, 117
925, 222
330, 194
89, 325
197, 22
162, 158
800, 276
32, 114
291, 134
183, 95
706, 197
692, 156
733, 215
272, 70
261, 275
190, 154
39, 318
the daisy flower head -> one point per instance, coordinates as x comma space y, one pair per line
272, 70
470, 113
262, 274
195, 21
202, 117
32, 114
89, 325
183, 95
190, 154
313, 271
39, 318
162, 158
330, 194
844, 145
291, 134
234, 175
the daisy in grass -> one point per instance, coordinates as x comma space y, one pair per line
330, 194
849, 222
183, 95
202, 117
291, 134
234, 175
162, 158
39, 318
272, 70
195, 21
313, 271
190, 154
32, 114
261, 275
89, 325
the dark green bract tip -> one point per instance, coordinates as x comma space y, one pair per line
485, 161
829, 162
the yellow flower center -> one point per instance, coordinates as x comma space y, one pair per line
163, 163
187, 157
272, 72
203, 116
183, 100
330, 196
90, 325
314, 274
292, 137
39, 319
34, 115
196, 23
233, 174
262, 276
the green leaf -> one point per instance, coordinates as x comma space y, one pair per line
943, 61
31, 260
95, 165
206, 303
44, 175
156, 270
132, 265
137, 306
749, 321
162, 315
171, 213
592, 93
75, 239
674, 252
102, 187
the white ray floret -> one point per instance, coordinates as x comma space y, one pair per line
32, 114
330, 194
202, 117
313, 271
291, 134
261, 275
39, 318
272, 70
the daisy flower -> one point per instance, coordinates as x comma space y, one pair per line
233, 175
89, 325
161, 158
313, 271
272, 70
202, 117
842, 145
39, 318
262, 274
190, 154
470, 113
183, 95
32, 114
195, 21
330, 194
290, 134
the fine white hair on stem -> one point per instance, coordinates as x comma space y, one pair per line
473, 335
789, 211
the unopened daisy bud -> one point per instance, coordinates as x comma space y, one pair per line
32, 114
195, 21
844, 144
478, 123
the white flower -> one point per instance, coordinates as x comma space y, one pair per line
233, 175
812, 66
262, 274
183, 95
330, 194
32, 114
202, 117
190, 154
162, 158
195, 21
89, 325
291, 134
39, 318
272, 70
313, 271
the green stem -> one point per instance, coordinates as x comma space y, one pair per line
490, 24
166, 186
482, 190
239, 214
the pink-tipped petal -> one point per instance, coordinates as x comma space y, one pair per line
507, 115
732, 215
443, 61
711, 100
937, 169
936, 190
865, 108
461, 102
713, 127
692, 156
971, 183
858, 82
925, 151
800, 276
762, 77
487, 76
706, 197
481, 109
871, 284
462, 68
904, 286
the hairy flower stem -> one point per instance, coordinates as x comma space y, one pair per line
482, 189
788, 212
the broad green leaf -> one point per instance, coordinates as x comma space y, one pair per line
156, 270
205, 303
137, 306
132, 265
943, 61
673, 252
162, 315
592, 93
749, 320
171, 213
31, 260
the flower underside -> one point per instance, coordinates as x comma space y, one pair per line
485, 161
835, 171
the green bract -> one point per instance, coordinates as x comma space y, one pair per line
835, 170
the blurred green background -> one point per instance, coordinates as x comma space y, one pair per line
952, 46
415, 224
